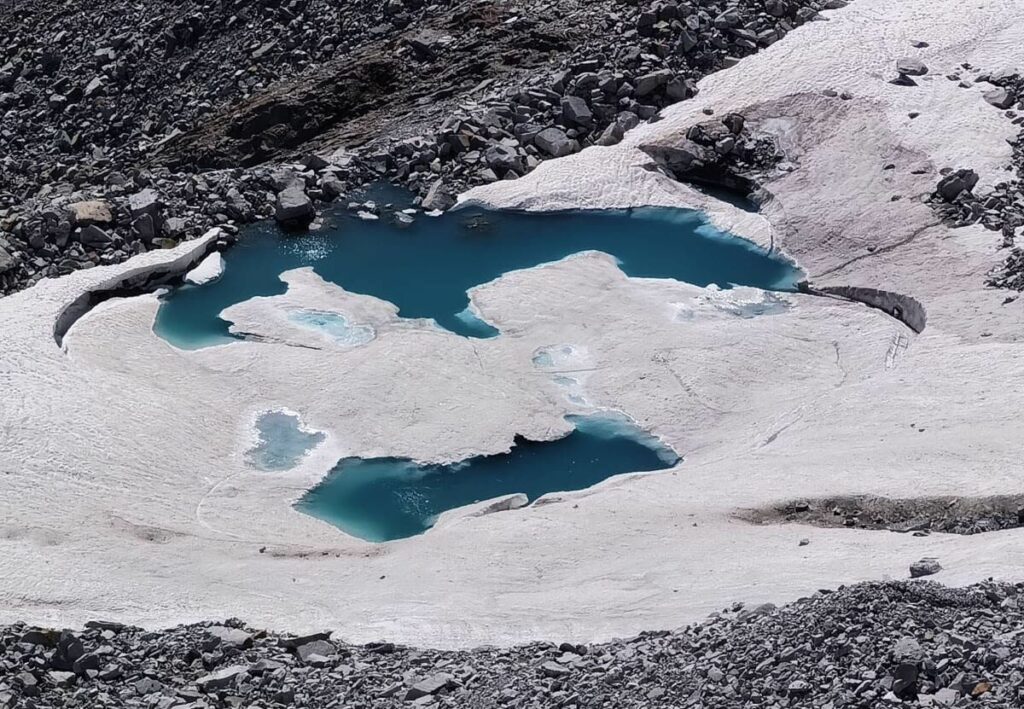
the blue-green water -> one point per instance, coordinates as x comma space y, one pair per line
282, 442
381, 499
426, 268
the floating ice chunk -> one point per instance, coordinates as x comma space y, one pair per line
368, 216
208, 270
333, 325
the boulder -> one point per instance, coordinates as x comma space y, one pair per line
92, 235
924, 567
7, 261
322, 648
1000, 97
908, 66
438, 197
502, 158
431, 685
952, 185
221, 679
649, 83
575, 111
226, 637
294, 209
555, 143
145, 202
93, 211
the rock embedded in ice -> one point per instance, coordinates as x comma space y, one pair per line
1000, 97
908, 66
924, 567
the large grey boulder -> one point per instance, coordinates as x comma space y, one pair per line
908, 66
230, 637
221, 679
555, 143
649, 83
294, 209
146, 202
320, 648
93, 211
502, 158
1000, 97
438, 198
924, 567
92, 235
953, 184
430, 685
7, 262
576, 111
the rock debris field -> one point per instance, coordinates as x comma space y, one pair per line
898, 644
129, 129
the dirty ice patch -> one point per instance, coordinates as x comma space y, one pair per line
282, 441
333, 326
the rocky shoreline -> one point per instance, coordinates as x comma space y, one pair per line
868, 645
160, 123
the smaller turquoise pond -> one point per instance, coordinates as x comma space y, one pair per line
282, 442
426, 268
381, 499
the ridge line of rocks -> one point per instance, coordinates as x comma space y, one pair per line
892, 644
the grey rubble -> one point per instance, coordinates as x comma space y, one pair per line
897, 644
199, 105
1002, 207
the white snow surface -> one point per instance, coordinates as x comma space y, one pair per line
126, 495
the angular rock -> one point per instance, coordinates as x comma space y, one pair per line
576, 112
908, 66
438, 197
323, 648
555, 143
1000, 97
222, 678
924, 567
428, 686
649, 83
229, 637
90, 212
294, 209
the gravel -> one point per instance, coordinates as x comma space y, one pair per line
895, 644
173, 117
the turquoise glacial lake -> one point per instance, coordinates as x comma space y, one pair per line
382, 499
425, 268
